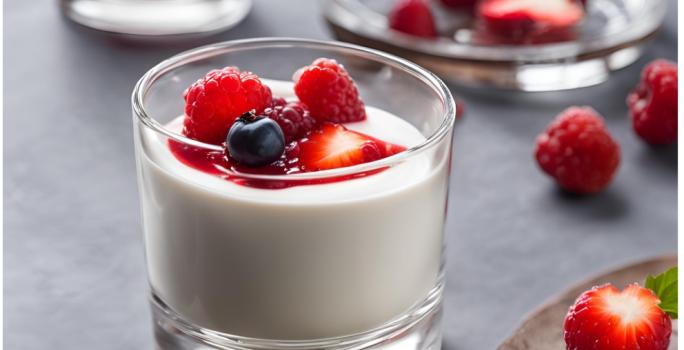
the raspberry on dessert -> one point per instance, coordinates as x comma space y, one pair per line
214, 102
294, 118
578, 151
329, 92
653, 103
334, 146
517, 19
605, 318
413, 17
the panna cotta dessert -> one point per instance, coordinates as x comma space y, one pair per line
274, 211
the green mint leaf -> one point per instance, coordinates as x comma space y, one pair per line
665, 288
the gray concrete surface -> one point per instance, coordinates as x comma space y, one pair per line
74, 269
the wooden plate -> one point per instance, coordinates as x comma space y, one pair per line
543, 328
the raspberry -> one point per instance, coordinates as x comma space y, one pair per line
293, 117
329, 92
413, 17
578, 151
653, 103
214, 102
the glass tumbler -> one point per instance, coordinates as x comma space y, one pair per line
335, 259
157, 17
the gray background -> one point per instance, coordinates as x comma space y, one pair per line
74, 271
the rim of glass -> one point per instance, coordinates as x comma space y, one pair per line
147, 81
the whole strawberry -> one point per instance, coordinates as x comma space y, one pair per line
413, 17
578, 151
329, 92
636, 318
214, 102
653, 103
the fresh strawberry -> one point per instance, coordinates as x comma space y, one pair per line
520, 18
413, 17
389, 149
214, 102
334, 146
329, 92
605, 318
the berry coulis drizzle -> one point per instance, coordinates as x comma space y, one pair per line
218, 163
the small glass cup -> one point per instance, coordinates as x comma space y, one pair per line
157, 17
317, 265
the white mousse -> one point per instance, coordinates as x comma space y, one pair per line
303, 262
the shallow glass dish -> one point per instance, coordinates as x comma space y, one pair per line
610, 37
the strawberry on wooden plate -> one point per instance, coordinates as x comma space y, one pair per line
636, 318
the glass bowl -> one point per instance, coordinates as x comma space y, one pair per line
610, 37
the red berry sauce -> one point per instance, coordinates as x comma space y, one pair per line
218, 163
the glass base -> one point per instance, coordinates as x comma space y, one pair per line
157, 17
418, 329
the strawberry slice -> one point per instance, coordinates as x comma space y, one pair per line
516, 18
605, 318
389, 149
334, 146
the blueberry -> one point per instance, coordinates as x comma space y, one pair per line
255, 141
